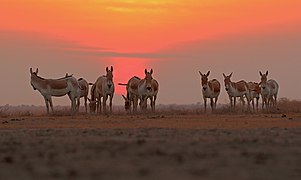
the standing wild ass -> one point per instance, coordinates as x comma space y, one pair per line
236, 89
104, 87
148, 88
211, 89
92, 101
56, 87
132, 94
269, 90
84, 90
254, 91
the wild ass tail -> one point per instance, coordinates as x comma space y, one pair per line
122, 84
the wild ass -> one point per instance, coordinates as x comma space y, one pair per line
211, 89
132, 94
148, 88
269, 90
236, 89
84, 90
104, 87
92, 101
254, 92
56, 87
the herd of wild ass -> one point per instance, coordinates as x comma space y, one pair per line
140, 90
268, 89
137, 90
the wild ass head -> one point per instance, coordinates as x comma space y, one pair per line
227, 80
264, 78
148, 79
33, 75
92, 105
109, 77
204, 78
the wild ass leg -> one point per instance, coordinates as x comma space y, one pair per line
86, 98
242, 101
104, 103
205, 104
78, 104
268, 102
72, 106
152, 104
212, 104
253, 105
98, 105
131, 102
262, 102
47, 105
271, 102
155, 98
143, 103
257, 99
78, 100
215, 102
51, 105
234, 103
135, 103
231, 103
73, 103
111, 98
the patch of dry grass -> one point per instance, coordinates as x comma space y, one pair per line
4, 111
284, 105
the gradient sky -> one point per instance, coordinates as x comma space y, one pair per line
174, 37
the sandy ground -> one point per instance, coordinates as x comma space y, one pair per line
151, 147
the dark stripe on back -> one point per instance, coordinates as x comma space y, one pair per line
137, 77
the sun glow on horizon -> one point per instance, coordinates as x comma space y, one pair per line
126, 68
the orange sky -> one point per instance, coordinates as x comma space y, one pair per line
133, 34
145, 26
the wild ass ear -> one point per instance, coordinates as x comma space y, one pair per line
267, 73
260, 73
224, 75
208, 73
230, 75
107, 69
124, 97
66, 75
145, 71
200, 73
37, 70
30, 70
111, 68
151, 71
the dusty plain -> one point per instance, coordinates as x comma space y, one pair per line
151, 146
